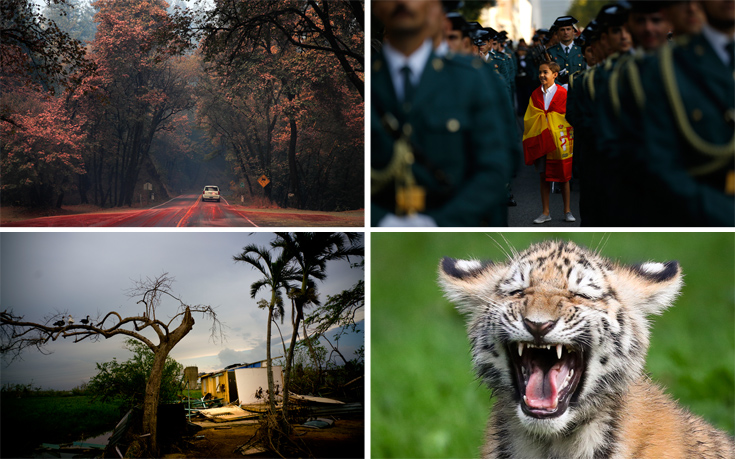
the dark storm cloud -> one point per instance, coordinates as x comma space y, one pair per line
89, 273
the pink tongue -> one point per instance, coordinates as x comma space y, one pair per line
542, 389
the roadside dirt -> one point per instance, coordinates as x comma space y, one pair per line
345, 439
291, 217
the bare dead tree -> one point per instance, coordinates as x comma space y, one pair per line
16, 335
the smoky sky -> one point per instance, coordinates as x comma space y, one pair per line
91, 273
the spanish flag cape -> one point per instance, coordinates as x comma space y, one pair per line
547, 132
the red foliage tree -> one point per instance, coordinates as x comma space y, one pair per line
146, 82
41, 148
283, 104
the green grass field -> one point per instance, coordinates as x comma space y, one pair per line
426, 401
29, 421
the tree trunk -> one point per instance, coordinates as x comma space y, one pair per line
289, 360
153, 386
293, 186
152, 395
271, 393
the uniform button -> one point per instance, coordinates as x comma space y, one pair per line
697, 115
407, 129
438, 64
453, 125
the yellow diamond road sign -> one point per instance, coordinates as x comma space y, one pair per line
263, 180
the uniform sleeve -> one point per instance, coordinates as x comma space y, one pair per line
672, 195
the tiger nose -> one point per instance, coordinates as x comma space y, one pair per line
539, 329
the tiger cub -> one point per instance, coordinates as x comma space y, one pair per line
560, 335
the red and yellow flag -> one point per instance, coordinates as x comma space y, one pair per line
547, 133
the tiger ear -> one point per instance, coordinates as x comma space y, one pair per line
651, 287
465, 281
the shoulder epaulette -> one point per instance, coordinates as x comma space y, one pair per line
589, 82
636, 86
614, 79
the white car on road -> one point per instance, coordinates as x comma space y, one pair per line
210, 192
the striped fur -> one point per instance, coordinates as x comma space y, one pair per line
601, 309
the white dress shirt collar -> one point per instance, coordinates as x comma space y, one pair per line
397, 60
718, 41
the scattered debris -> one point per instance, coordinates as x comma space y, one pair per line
319, 423
252, 450
309, 398
227, 413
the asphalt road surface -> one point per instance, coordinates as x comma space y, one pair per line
182, 211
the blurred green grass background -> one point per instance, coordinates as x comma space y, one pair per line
425, 399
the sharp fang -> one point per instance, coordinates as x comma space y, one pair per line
520, 349
558, 351
525, 400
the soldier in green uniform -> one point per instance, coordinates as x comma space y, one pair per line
439, 151
620, 194
566, 53
504, 62
579, 108
681, 127
510, 62
588, 115
458, 37
495, 60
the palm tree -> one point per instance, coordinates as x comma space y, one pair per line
276, 276
311, 252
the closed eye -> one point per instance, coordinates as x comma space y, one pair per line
583, 295
515, 292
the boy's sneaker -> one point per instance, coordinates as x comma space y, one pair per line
542, 219
569, 217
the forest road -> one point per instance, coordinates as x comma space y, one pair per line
188, 210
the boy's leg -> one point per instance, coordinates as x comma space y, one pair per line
545, 191
566, 196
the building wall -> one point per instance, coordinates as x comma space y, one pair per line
216, 384
546, 11
249, 380
513, 16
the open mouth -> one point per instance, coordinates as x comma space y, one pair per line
547, 376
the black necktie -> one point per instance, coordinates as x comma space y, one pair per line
566, 51
407, 85
730, 47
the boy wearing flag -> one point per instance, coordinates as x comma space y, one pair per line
548, 139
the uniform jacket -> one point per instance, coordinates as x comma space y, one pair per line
572, 62
458, 136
